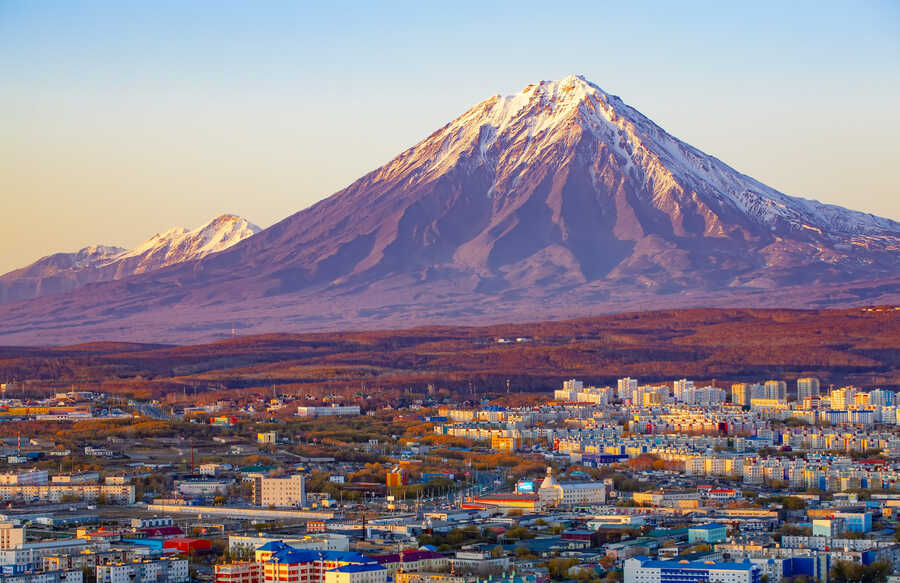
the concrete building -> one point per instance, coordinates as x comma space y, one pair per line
283, 492
881, 398
743, 393
829, 527
332, 411
11, 536
59, 576
478, 562
33, 553
76, 478
239, 545
357, 574
626, 387
26, 478
856, 521
808, 387
412, 561
164, 570
55, 493
246, 572
842, 398
712, 532
154, 522
645, 570
775, 390
201, 488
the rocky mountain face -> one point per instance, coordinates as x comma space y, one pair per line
557, 201
63, 272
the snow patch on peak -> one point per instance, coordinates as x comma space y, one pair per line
179, 244
63, 272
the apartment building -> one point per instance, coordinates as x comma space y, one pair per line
33, 553
775, 390
26, 478
645, 570
289, 491
247, 572
164, 570
11, 536
114, 494
808, 387
70, 576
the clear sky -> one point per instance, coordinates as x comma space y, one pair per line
122, 119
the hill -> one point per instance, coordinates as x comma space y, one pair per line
838, 346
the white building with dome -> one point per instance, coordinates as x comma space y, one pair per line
553, 493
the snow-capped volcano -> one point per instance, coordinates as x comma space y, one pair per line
559, 200
63, 272
508, 134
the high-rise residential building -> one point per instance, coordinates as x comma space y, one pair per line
842, 398
570, 390
741, 393
679, 388
808, 387
881, 398
776, 390
626, 387
573, 385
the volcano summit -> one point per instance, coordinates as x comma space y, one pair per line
558, 201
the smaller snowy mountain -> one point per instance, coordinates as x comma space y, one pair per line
62, 272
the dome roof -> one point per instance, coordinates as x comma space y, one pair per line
549, 481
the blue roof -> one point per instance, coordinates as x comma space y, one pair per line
359, 568
704, 565
145, 542
274, 546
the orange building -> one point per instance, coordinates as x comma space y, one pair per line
396, 478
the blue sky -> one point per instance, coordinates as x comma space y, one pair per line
123, 119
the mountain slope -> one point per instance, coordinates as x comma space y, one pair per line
62, 272
560, 200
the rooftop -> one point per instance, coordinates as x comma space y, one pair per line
359, 568
704, 565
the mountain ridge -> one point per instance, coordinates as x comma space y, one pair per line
559, 201
61, 272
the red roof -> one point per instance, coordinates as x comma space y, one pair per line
161, 531
507, 498
103, 532
187, 544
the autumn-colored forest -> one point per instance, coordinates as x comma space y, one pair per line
839, 346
